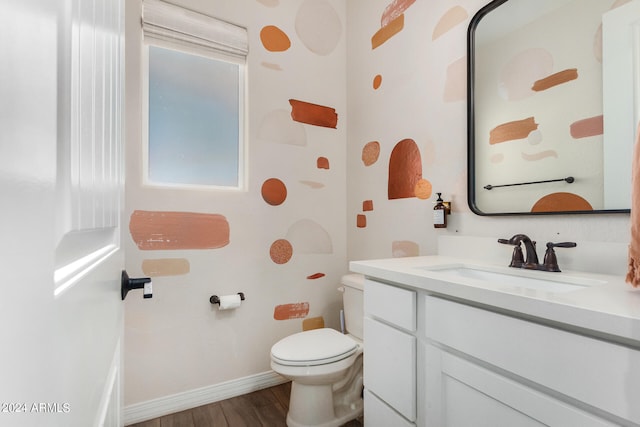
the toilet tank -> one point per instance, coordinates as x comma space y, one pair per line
353, 301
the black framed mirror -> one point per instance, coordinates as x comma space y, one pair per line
551, 111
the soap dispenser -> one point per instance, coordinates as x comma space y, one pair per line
440, 213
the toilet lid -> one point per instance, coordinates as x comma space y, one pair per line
314, 347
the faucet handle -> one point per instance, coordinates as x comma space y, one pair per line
562, 245
550, 260
517, 258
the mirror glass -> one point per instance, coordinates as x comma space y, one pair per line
551, 108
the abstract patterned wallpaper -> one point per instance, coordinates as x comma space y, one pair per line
329, 181
282, 242
412, 101
412, 86
405, 179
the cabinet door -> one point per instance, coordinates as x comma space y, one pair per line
390, 366
378, 414
462, 393
596, 373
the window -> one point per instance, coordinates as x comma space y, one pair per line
195, 92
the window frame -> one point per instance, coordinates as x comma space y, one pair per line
169, 27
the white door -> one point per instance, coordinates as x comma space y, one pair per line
61, 315
620, 100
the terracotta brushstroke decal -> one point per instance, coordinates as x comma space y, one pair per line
535, 137
452, 17
539, 156
388, 31
497, 158
597, 44
395, 9
278, 127
429, 153
619, 3
309, 237
313, 323
519, 73
269, 3
318, 26
510, 131
423, 189
404, 248
281, 251
274, 39
555, 79
370, 153
313, 114
313, 184
271, 66
377, 81
322, 163
587, 127
459, 184
274, 191
291, 311
155, 230
405, 170
165, 267
361, 221
561, 202
455, 87
367, 205
315, 276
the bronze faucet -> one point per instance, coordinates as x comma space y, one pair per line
550, 262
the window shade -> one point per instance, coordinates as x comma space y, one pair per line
165, 22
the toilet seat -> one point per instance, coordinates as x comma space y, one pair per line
312, 348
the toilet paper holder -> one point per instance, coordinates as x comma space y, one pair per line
215, 299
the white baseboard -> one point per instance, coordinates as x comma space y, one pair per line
144, 411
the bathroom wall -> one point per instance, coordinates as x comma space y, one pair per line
412, 86
282, 242
366, 187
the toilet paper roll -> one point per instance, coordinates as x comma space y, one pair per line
229, 302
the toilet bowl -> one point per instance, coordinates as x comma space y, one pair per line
325, 367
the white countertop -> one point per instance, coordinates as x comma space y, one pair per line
609, 309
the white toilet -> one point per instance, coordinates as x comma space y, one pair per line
325, 366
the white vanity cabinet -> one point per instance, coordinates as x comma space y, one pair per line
433, 362
490, 369
390, 355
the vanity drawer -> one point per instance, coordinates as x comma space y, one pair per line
391, 304
390, 366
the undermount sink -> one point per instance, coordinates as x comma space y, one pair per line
544, 281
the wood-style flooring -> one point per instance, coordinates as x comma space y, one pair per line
263, 408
